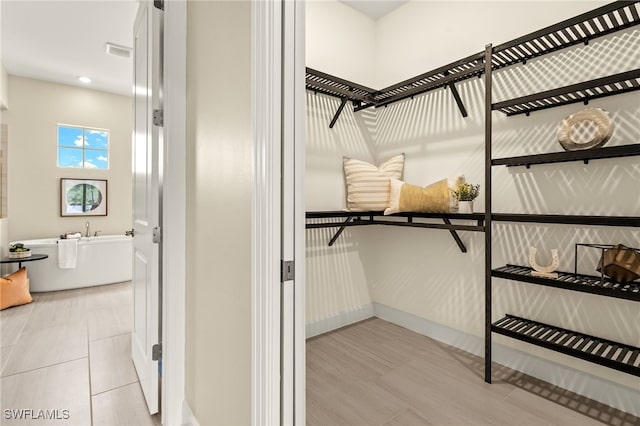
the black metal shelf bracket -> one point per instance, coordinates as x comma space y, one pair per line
339, 231
458, 99
338, 112
455, 236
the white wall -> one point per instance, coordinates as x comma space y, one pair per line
219, 182
333, 28
423, 35
34, 178
422, 272
336, 280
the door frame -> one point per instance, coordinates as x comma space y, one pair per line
174, 213
266, 75
278, 131
266, 92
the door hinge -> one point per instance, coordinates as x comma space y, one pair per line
131, 233
287, 270
157, 235
159, 4
156, 352
158, 117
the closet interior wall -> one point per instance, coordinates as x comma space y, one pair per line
336, 277
336, 280
420, 274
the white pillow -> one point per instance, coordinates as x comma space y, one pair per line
395, 187
368, 185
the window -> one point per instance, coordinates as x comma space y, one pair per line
83, 147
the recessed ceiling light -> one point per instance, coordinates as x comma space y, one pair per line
85, 80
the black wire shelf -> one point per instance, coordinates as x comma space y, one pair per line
596, 23
463, 69
619, 356
605, 20
327, 219
616, 84
330, 85
622, 221
369, 214
569, 156
364, 97
602, 286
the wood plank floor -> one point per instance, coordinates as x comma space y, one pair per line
377, 373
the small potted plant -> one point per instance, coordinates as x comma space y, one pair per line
18, 251
465, 194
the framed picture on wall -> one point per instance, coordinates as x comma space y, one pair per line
83, 197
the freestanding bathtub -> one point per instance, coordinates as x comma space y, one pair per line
104, 259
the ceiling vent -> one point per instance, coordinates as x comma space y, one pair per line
117, 50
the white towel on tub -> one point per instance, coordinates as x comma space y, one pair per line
67, 253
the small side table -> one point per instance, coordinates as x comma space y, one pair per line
19, 260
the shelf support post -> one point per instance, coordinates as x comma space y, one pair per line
488, 84
455, 236
338, 112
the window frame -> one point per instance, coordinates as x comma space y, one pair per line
83, 148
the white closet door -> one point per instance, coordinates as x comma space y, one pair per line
146, 202
293, 239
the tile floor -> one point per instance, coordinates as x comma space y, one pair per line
70, 351
377, 373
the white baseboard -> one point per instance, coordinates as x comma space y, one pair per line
593, 387
340, 320
188, 419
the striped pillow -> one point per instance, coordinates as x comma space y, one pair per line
368, 185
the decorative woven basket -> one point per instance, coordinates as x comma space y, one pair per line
620, 263
586, 129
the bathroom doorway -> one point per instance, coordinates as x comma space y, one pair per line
102, 340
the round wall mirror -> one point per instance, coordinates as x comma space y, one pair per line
83, 197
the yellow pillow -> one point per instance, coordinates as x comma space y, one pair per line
435, 198
14, 289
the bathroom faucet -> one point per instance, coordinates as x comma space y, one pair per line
86, 225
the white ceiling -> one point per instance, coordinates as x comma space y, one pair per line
375, 9
61, 40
